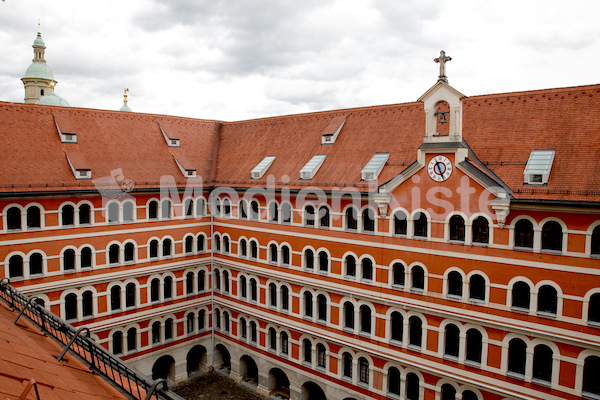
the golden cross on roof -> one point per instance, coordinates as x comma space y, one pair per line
442, 59
125, 92
39, 28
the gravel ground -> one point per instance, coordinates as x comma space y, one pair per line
214, 386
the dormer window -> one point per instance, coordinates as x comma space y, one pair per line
262, 167
332, 131
184, 166
64, 136
311, 167
171, 141
539, 165
79, 167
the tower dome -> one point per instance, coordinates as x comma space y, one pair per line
52, 99
125, 107
38, 79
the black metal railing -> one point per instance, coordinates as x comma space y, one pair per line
126, 379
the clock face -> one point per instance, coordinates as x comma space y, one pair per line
439, 168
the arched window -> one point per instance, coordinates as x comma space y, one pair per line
420, 225
13, 219
286, 213
242, 209
188, 206
347, 365
226, 208
457, 228
85, 212
367, 269
552, 236
418, 278
594, 308
200, 207
200, 243
350, 266
321, 356
474, 346
547, 300
481, 230
15, 267
153, 248
70, 306
524, 234
253, 290
517, 356
153, 209
201, 319
349, 315
309, 216
285, 255
396, 326
189, 244
253, 249
285, 298
243, 289
243, 248
87, 303
168, 328
451, 341
113, 212
69, 259
155, 289
34, 219
201, 279
36, 264
273, 295
400, 223
323, 261
363, 370
591, 372
595, 248
129, 253
284, 342
131, 339
243, 329
156, 332
67, 215
253, 332
165, 209
189, 283
273, 253
117, 342
365, 319
167, 288
307, 351
351, 218
521, 295
308, 304
167, 247
398, 274
542, 363
448, 392
477, 287
394, 381
368, 220
455, 284
412, 386
415, 330
309, 259
86, 257
324, 217
225, 321
321, 308
130, 295
273, 212
113, 254
226, 244
115, 298
128, 211
254, 210
469, 395
272, 339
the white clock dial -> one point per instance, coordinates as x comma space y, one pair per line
439, 168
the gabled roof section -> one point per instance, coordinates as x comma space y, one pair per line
441, 87
312, 166
334, 128
373, 168
539, 165
262, 167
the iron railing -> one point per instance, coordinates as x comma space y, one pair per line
126, 379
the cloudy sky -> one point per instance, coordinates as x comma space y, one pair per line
240, 59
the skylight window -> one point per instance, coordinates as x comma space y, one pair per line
262, 167
537, 170
373, 168
311, 167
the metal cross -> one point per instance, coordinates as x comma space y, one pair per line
442, 59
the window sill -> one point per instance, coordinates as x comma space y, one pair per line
590, 395
392, 395
541, 382
365, 334
473, 364
450, 357
476, 301
454, 297
480, 244
396, 342
595, 324
546, 314
417, 290
350, 277
348, 329
366, 280
414, 347
522, 248
363, 384
521, 310
515, 375
399, 235
397, 286
307, 363
550, 251
347, 378
321, 368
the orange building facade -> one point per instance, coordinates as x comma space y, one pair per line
364, 253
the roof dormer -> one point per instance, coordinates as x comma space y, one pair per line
332, 131
66, 134
171, 141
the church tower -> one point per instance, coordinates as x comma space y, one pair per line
38, 80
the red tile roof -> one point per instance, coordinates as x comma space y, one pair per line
501, 129
25, 354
